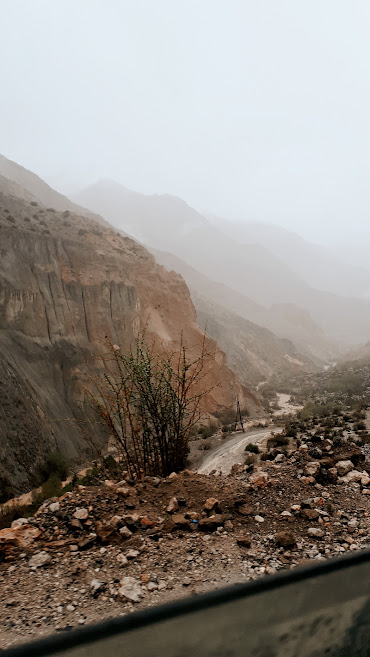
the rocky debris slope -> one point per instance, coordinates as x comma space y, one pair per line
117, 546
67, 282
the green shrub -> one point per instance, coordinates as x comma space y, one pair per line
55, 463
251, 447
277, 441
205, 446
360, 426
50, 488
206, 431
227, 416
250, 459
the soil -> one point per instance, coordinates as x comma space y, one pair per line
225, 530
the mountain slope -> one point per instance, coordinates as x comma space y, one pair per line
282, 321
253, 352
168, 224
318, 265
30, 187
66, 282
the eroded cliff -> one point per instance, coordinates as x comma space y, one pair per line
67, 282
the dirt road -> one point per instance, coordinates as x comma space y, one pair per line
224, 457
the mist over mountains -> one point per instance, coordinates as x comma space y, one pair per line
260, 263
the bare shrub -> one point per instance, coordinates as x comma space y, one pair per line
150, 403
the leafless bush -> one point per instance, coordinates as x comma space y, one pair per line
150, 403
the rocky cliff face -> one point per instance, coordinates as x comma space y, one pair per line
66, 282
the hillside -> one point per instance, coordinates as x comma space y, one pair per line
88, 556
362, 353
319, 266
66, 282
285, 321
166, 223
255, 353
20, 182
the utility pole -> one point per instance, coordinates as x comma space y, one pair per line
238, 417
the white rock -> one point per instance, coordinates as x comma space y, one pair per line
54, 506
122, 560
125, 532
132, 554
173, 505
130, 589
316, 532
40, 559
96, 586
19, 521
152, 586
312, 469
344, 467
259, 519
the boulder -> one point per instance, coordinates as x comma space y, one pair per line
146, 523
81, 514
343, 467
13, 538
96, 587
39, 560
180, 521
125, 532
357, 477
316, 532
19, 522
173, 505
106, 532
312, 469
285, 539
245, 510
123, 491
259, 479
310, 514
130, 589
210, 524
132, 554
122, 559
211, 504
332, 474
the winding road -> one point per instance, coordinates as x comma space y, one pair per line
223, 458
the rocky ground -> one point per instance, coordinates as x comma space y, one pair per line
117, 546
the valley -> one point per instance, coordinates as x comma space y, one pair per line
82, 538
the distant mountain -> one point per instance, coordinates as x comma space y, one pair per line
169, 224
318, 265
154, 219
284, 321
255, 353
362, 353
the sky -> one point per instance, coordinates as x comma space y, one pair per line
251, 110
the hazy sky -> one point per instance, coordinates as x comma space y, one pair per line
256, 109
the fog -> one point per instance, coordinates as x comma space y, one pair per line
253, 111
